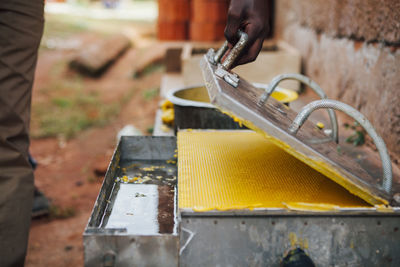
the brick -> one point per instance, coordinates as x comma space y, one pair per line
94, 59
207, 31
373, 20
171, 31
365, 76
209, 10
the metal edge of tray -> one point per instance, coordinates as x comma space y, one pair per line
105, 191
273, 120
373, 212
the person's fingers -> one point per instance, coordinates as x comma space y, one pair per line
233, 24
249, 55
252, 53
251, 17
255, 32
231, 31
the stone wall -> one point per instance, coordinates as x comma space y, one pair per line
350, 48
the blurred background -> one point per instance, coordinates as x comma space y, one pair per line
78, 112
104, 68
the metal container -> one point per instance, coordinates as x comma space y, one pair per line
144, 227
136, 224
192, 108
140, 224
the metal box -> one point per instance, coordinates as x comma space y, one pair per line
136, 224
155, 232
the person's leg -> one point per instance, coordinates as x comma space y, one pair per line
41, 205
21, 27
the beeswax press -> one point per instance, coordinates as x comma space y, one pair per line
223, 204
255, 109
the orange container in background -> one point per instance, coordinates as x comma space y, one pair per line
174, 10
197, 20
173, 19
208, 19
170, 31
209, 10
207, 31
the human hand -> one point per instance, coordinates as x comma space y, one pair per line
250, 16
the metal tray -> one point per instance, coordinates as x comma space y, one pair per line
259, 237
136, 223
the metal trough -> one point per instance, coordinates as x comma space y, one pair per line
142, 226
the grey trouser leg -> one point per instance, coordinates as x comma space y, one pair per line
21, 27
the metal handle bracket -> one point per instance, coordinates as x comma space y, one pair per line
223, 67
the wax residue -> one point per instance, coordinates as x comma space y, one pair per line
297, 241
316, 207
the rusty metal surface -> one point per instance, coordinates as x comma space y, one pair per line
274, 119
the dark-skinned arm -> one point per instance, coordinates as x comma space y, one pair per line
250, 16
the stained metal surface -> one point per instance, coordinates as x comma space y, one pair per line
136, 208
131, 250
132, 221
273, 120
263, 240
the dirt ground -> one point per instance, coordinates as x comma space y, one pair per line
69, 171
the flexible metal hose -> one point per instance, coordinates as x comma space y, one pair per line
361, 119
310, 83
220, 52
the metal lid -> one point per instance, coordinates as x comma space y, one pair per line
252, 106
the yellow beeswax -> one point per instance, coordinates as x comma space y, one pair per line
168, 116
167, 105
318, 165
224, 170
285, 95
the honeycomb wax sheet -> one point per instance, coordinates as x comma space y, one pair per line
225, 170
